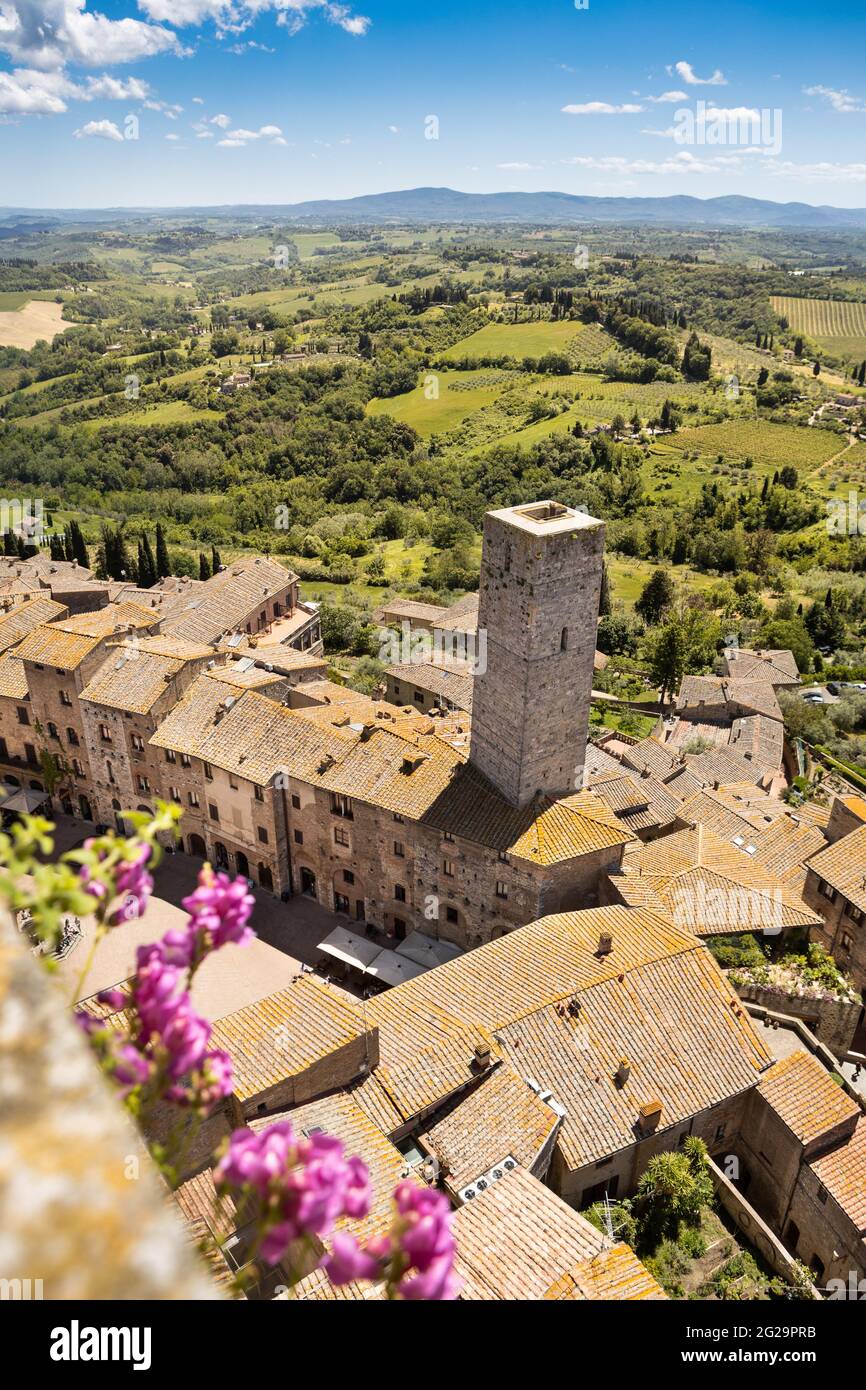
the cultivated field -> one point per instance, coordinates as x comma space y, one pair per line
516, 340
444, 401
38, 318
760, 440
839, 325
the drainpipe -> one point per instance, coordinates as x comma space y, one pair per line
288, 840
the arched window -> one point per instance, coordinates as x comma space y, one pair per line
563, 640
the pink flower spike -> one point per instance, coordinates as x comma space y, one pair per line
348, 1261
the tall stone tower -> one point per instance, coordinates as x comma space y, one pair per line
541, 571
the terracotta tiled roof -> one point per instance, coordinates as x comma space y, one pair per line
641, 803
135, 675
598, 763
776, 667
114, 617
519, 989
724, 693
502, 1116
13, 677
229, 598
683, 783
517, 1240
806, 1098
722, 765
16, 624
784, 847
438, 681
543, 832
400, 764
52, 646
709, 886
761, 737
723, 815
650, 756
197, 1199
843, 866
284, 1034
66, 643
397, 609
843, 1173
613, 1274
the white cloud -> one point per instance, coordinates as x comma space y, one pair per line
690, 77
102, 130
169, 110
839, 99
221, 120
48, 34
234, 16
240, 137
394, 129
29, 91
172, 136
684, 163
518, 165
22, 97
601, 108
198, 101
823, 172
668, 96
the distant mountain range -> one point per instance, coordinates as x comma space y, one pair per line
449, 205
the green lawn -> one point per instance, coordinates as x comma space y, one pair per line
443, 400
515, 340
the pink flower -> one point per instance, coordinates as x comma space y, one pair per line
207, 1087
415, 1258
134, 885
304, 1185
437, 1284
220, 909
348, 1261
426, 1224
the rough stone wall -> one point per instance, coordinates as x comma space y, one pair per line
334, 1072
81, 1208
824, 1230
465, 906
241, 816
837, 928
833, 1021
772, 1156
19, 760
538, 604
47, 687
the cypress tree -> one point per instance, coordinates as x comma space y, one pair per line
146, 564
163, 564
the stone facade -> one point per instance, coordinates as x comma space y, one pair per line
620, 1173
540, 584
842, 929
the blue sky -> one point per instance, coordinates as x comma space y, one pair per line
236, 101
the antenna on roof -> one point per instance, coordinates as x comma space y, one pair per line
608, 1219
